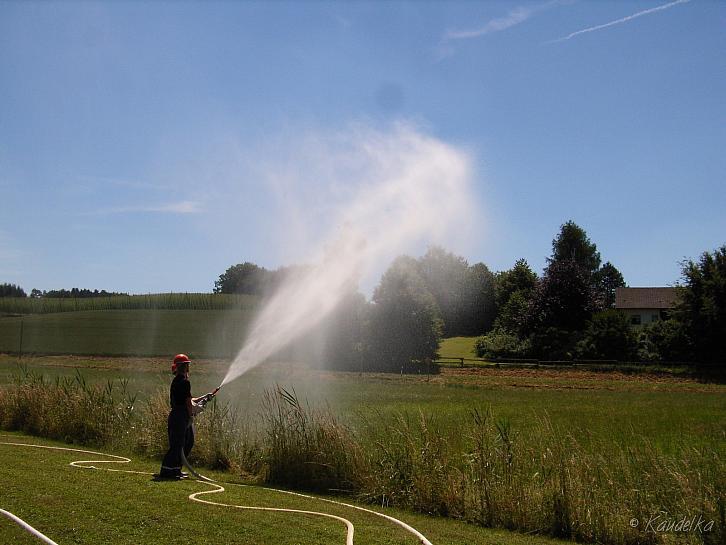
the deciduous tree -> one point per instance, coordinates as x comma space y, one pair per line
404, 322
702, 308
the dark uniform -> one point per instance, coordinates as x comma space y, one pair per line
179, 426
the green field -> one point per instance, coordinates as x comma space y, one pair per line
457, 347
200, 324
662, 434
211, 333
159, 301
665, 410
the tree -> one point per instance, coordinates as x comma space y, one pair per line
564, 299
573, 287
463, 293
573, 244
445, 275
513, 292
607, 278
404, 321
11, 290
479, 305
702, 307
242, 278
343, 334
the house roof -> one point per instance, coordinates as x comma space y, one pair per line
645, 297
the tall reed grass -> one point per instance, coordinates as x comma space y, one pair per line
68, 409
307, 448
545, 479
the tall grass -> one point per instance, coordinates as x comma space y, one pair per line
543, 479
161, 301
307, 448
68, 409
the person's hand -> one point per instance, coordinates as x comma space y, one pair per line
196, 408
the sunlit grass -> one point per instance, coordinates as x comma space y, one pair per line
580, 469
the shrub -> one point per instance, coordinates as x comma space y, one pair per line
665, 340
500, 343
552, 343
608, 337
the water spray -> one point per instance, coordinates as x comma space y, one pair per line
388, 192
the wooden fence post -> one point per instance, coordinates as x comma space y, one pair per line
20, 348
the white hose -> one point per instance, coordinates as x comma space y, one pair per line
25, 526
217, 489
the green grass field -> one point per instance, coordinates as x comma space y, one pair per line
666, 410
457, 347
660, 432
85, 506
212, 333
158, 301
205, 325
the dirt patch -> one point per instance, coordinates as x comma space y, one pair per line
580, 379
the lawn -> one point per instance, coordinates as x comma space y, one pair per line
85, 506
457, 347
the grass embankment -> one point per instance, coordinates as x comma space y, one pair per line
603, 453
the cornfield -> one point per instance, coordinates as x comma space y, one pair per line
159, 301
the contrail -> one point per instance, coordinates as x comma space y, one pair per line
619, 21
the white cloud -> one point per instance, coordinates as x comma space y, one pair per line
515, 17
621, 20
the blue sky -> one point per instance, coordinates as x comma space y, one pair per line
132, 135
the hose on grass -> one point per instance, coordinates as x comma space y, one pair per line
217, 488
422, 539
27, 527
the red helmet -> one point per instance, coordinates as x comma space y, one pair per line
179, 358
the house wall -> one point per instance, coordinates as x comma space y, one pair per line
640, 317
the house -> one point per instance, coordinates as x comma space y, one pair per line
645, 305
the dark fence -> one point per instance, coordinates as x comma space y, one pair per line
531, 362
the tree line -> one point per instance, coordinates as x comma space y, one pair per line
11, 290
566, 313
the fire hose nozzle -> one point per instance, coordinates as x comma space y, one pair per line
206, 398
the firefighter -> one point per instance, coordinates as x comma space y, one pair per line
179, 423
